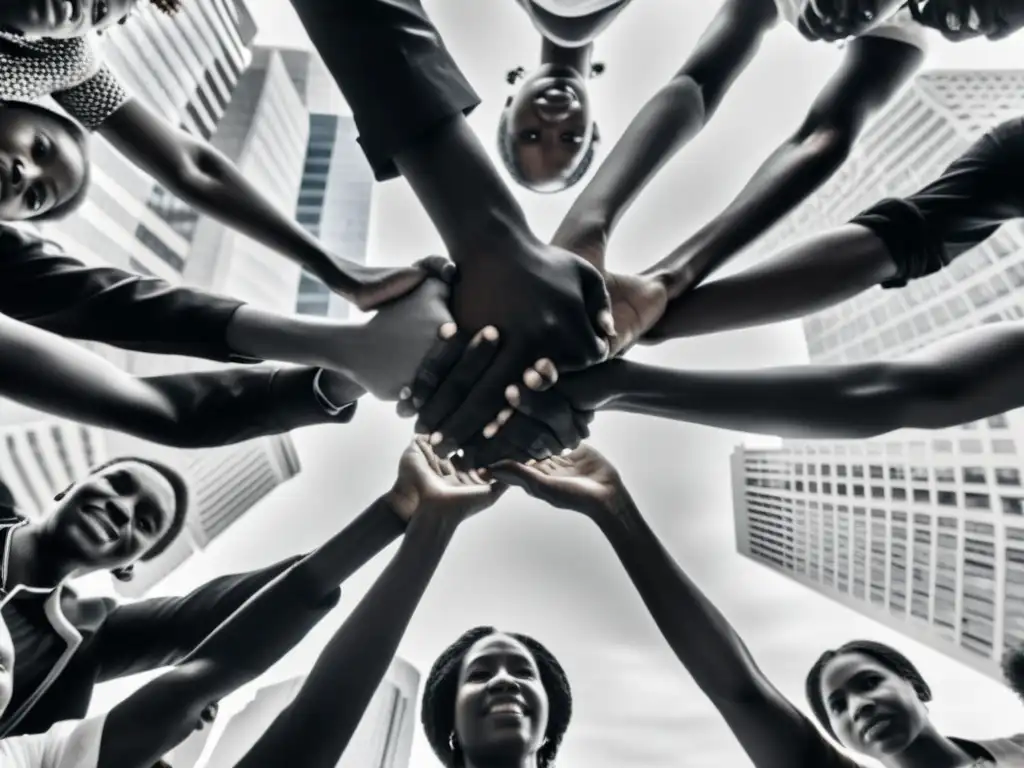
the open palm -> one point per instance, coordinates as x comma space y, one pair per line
582, 480
427, 481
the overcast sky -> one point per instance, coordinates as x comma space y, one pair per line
546, 572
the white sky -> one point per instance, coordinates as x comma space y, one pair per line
544, 572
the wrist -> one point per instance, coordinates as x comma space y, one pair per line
335, 391
617, 511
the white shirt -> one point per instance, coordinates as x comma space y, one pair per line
900, 26
68, 744
571, 9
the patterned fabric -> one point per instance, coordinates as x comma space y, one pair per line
68, 70
68, 744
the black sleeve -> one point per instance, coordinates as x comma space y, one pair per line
42, 286
393, 69
974, 196
216, 408
150, 634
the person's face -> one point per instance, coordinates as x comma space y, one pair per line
114, 516
550, 126
6, 666
872, 710
41, 165
501, 707
62, 18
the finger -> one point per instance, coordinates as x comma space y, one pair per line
551, 408
597, 302
515, 473
437, 363
404, 408
543, 375
460, 379
531, 436
437, 266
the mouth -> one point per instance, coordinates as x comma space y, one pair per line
876, 729
100, 525
513, 709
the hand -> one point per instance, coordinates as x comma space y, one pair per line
638, 302
959, 20
380, 285
832, 20
338, 388
427, 483
583, 481
397, 339
547, 303
536, 424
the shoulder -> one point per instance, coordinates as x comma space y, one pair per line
68, 744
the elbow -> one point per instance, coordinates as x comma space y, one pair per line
685, 96
891, 396
828, 140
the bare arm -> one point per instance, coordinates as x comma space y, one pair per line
676, 113
872, 72
207, 180
967, 377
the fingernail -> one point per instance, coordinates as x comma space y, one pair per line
532, 379
607, 322
490, 430
404, 393
436, 438
512, 394
505, 415
490, 333
447, 330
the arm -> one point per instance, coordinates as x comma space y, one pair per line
771, 730
873, 70
967, 377
149, 634
676, 113
892, 242
207, 180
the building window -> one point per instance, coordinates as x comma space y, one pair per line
947, 498
975, 475
1007, 476
977, 501
1011, 506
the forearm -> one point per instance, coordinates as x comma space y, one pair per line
356, 658
698, 634
665, 123
815, 274
213, 408
461, 191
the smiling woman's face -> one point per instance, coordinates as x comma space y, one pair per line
41, 164
62, 18
6, 666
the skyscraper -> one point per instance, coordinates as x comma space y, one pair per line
337, 184
922, 530
383, 738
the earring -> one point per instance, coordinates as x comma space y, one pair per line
597, 69
514, 75
124, 573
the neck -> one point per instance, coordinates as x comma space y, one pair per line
32, 562
578, 59
930, 750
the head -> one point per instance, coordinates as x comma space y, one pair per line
124, 511
62, 19
496, 697
6, 666
44, 163
869, 697
1013, 669
546, 135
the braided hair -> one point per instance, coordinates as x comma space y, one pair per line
882, 654
441, 687
78, 134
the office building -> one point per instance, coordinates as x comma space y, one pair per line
336, 191
383, 738
264, 131
922, 530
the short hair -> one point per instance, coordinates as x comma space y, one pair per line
170, 7
441, 687
882, 654
181, 499
81, 138
507, 154
1013, 669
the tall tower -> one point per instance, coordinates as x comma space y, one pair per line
922, 530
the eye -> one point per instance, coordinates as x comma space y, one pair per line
477, 673
145, 525
525, 672
571, 138
41, 148
529, 136
99, 11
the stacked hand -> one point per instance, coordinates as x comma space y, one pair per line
832, 20
966, 19
380, 285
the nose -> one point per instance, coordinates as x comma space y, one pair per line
503, 682
861, 708
119, 513
23, 174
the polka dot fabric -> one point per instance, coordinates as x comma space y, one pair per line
69, 70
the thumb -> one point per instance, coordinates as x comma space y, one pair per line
437, 266
597, 301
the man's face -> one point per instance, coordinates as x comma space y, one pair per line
114, 516
62, 19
